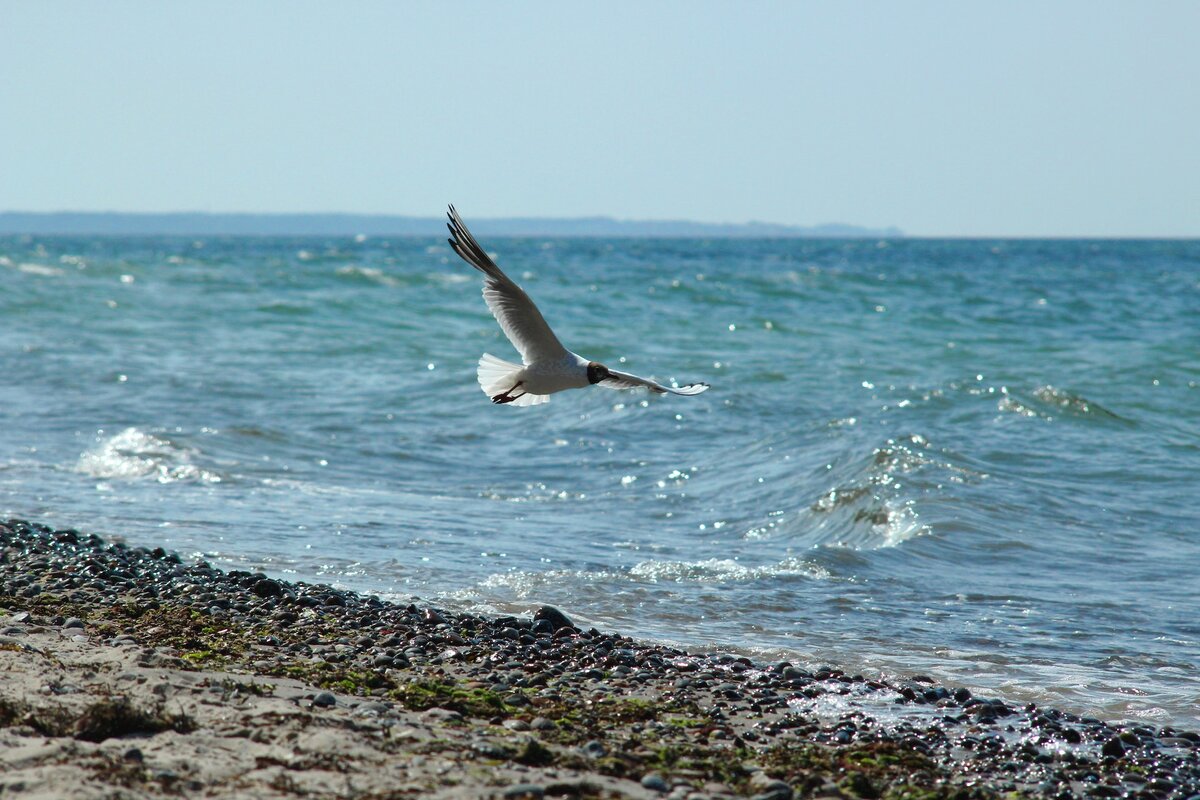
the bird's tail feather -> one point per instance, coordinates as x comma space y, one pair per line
497, 376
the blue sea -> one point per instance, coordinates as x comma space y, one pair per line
973, 460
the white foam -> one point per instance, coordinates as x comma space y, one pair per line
40, 269
133, 454
525, 584
723, 570
372, 274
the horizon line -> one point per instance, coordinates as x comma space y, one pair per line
782, 229
381, 224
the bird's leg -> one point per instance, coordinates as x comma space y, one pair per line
508, 397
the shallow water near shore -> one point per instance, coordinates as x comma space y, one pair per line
969, 459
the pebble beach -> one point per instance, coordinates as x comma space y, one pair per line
130, 672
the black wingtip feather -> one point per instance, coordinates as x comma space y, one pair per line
467, 248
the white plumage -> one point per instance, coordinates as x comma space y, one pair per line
547, 367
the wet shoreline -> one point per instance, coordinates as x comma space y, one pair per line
461, 705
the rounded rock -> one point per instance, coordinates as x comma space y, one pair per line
267, 588
556, 618
655, 782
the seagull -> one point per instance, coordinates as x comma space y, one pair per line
546, 366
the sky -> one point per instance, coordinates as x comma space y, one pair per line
942, 118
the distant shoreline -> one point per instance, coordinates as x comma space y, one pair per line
71, 223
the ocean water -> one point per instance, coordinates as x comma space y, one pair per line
975, 460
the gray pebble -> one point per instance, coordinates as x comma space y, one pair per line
441, 715
489, 750
655, 782
325, 700
768, 788
524, 791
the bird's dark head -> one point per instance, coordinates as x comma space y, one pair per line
596, 372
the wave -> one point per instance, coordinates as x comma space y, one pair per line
366, 275
43, 270
723, 570
133, 454
872, 503
525, 584
1073, 404
1049, 402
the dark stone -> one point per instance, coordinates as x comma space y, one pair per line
266, 587
550, 614
533, 753
1113, 748
325, 700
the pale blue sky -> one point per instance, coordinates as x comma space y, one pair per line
949, 118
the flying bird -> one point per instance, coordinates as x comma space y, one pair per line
546, 366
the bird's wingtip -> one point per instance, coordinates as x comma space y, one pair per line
691, 389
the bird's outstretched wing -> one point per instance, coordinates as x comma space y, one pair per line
623, 380
519, 318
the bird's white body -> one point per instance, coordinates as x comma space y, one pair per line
547, 366
537, 380
548, 377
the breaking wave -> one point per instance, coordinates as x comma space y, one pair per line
134, 454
